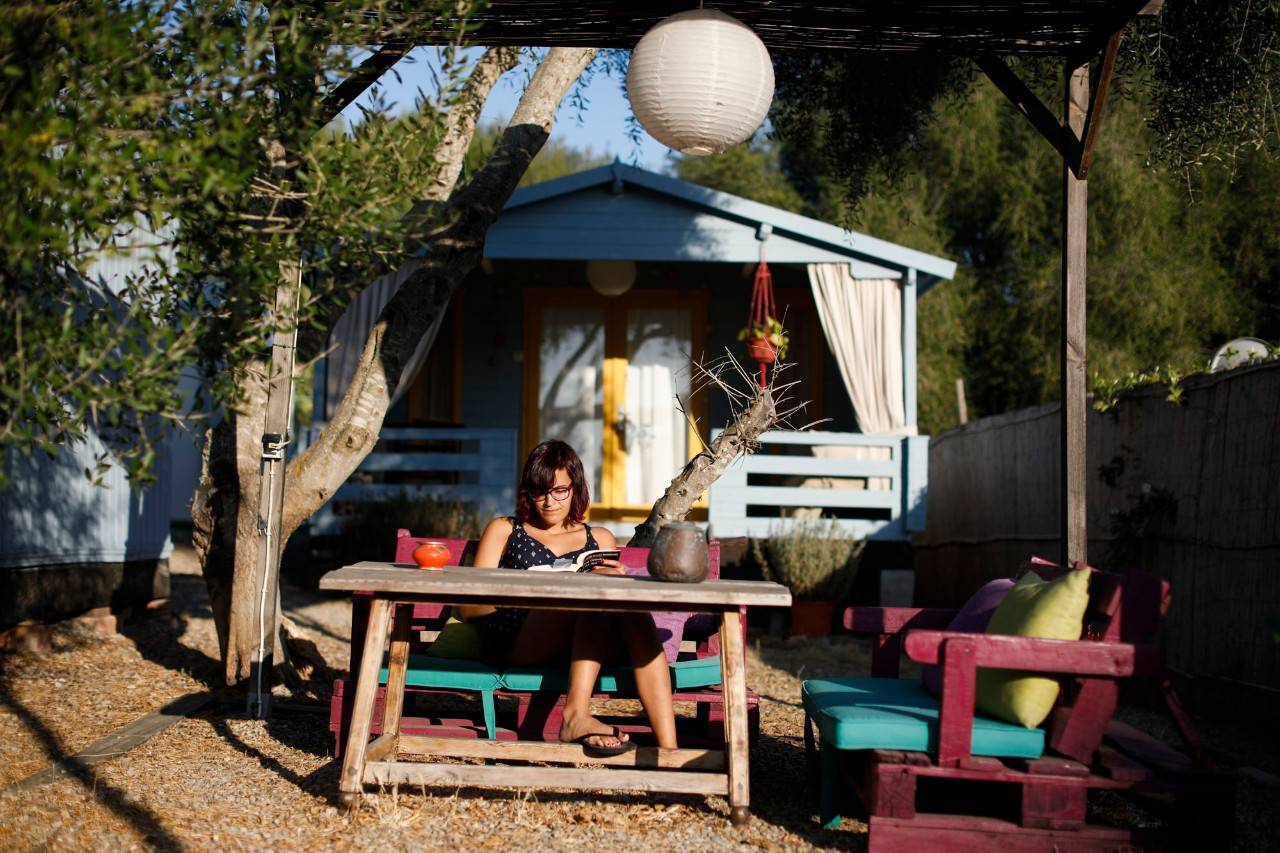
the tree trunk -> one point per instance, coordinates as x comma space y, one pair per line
225, 510
704, 469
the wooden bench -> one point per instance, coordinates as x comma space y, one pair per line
885, 734
538, 691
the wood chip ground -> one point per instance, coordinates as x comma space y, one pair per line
221, 781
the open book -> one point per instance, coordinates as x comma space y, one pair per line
584, 562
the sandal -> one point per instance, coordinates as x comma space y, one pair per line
592, 750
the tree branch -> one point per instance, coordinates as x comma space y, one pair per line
446, 160
451, 253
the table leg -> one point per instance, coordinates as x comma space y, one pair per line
733, 671
397, 667
350, 783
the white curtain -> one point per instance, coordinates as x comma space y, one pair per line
862, 319
346, 341
656, 433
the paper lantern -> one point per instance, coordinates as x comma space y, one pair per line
700, 82
611, 278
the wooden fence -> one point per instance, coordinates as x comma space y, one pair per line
1188, 490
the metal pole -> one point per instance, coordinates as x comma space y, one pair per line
275, 440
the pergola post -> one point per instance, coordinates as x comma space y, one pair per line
909, 350
1074, 465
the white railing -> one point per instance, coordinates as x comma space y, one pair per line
874, 498
481, 461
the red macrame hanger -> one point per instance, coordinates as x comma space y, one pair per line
762, 308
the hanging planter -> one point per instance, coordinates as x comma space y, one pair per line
766, 339
700, 82
759, 349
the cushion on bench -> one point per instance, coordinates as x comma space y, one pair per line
685, 675
449, 673
897, 713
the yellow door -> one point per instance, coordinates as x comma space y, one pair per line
611, 376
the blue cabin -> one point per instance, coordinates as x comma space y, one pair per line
597, 292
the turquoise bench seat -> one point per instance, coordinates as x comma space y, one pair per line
685, 675
463, 674
897, 713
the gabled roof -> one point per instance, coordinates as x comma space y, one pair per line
624, 212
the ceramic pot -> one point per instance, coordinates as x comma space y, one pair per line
679, 553
759, 349
431, 554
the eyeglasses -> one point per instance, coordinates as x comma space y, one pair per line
559, 493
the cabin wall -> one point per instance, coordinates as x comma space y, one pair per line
493, 345
68, 546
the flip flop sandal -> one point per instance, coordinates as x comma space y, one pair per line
593, 751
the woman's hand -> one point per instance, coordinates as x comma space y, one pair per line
608, 567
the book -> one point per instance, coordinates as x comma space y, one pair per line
584, 562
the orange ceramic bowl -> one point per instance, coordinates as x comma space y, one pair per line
431, 554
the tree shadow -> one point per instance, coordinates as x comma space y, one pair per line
147, 822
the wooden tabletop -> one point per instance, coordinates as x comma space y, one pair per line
505, 586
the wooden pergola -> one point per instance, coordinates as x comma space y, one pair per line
1077, 31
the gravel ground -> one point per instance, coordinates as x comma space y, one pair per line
221, 781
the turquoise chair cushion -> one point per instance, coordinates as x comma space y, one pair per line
447, 673
685, 675
897, 713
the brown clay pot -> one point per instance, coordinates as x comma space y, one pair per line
759, 349
679, 553
811, 618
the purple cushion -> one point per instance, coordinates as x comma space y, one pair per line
670, 625
972, 618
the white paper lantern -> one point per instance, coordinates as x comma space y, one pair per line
611, 278
700, 82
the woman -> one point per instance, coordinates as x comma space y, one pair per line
552, 501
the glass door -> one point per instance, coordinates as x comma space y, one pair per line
611, 377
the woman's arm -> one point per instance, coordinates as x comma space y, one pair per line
488, 553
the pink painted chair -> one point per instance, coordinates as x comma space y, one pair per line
888, 737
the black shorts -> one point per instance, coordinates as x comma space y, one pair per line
498, 631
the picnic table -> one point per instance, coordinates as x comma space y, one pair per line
395, 588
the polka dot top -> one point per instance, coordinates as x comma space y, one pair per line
523, 551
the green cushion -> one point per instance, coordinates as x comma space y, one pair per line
448, 673
457, 639
685, 675
897, 713
1033, 608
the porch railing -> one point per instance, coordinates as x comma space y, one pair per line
790, 478
475, 466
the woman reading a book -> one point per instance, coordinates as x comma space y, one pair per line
548, 527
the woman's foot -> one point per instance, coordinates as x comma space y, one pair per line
587, 730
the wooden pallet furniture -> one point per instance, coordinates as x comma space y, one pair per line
539, 692
914, 761
395, 589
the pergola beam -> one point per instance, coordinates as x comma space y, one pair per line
1096, 103
365, 75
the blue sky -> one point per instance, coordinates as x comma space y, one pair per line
602, 126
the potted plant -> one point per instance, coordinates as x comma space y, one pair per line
817, 560
766, 341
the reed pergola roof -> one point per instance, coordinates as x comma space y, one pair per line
1051, 27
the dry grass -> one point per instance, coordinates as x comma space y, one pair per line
221, 781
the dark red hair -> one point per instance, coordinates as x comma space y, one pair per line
539, 475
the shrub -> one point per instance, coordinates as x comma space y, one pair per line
369, 531
814, 558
